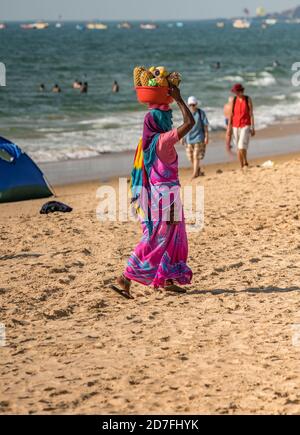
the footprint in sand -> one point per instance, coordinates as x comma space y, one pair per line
255, 260
59, 270
59, 314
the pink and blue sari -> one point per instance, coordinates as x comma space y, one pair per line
162, 253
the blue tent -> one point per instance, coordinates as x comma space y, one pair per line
20, 178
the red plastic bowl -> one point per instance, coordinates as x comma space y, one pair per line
153, 95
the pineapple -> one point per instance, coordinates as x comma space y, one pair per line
174, 78
145, 77
137, 72
162, 81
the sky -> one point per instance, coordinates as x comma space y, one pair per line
134, 9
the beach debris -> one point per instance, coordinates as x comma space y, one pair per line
55, 206
268, 164
219, 171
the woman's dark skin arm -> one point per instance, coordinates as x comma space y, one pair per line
188, 119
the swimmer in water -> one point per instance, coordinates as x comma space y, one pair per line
56, 89
84, 88
115, 87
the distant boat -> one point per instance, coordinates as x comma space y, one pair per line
179, 24
220, 24
271, 21
2, 26
124, 25
27, 26
96, 26
292, 21
241, 24
148, 26
79, 27
260, 12
59, 23
39, 25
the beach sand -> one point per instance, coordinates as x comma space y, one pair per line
229, 346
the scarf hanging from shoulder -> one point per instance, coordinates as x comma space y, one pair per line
156, 122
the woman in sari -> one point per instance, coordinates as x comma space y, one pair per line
159, 260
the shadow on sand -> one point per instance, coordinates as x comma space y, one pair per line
269, 289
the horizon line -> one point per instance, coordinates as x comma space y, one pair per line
137, 20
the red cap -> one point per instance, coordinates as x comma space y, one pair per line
237, 88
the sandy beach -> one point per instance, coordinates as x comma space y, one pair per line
226, 347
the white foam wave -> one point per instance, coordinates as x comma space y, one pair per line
264, 79
279, 97
232, 79
94, 140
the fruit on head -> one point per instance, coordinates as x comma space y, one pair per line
174, 78
155, 76
145, 77
152, 82
137, 72
162, 81
160, 71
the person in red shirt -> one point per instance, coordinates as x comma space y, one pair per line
241, 123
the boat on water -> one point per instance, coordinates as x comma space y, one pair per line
241, 24
2, 26
124, 25
271, 21
39, 25
179, 24
260, 11
148, 26
58, 25
96, 26
220, 24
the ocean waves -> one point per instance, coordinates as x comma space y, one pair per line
72, 126
121, 132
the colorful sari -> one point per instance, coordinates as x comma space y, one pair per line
162, 252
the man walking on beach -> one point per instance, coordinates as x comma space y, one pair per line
197, 139
241, 123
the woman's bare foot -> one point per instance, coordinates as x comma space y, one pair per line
124, 283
